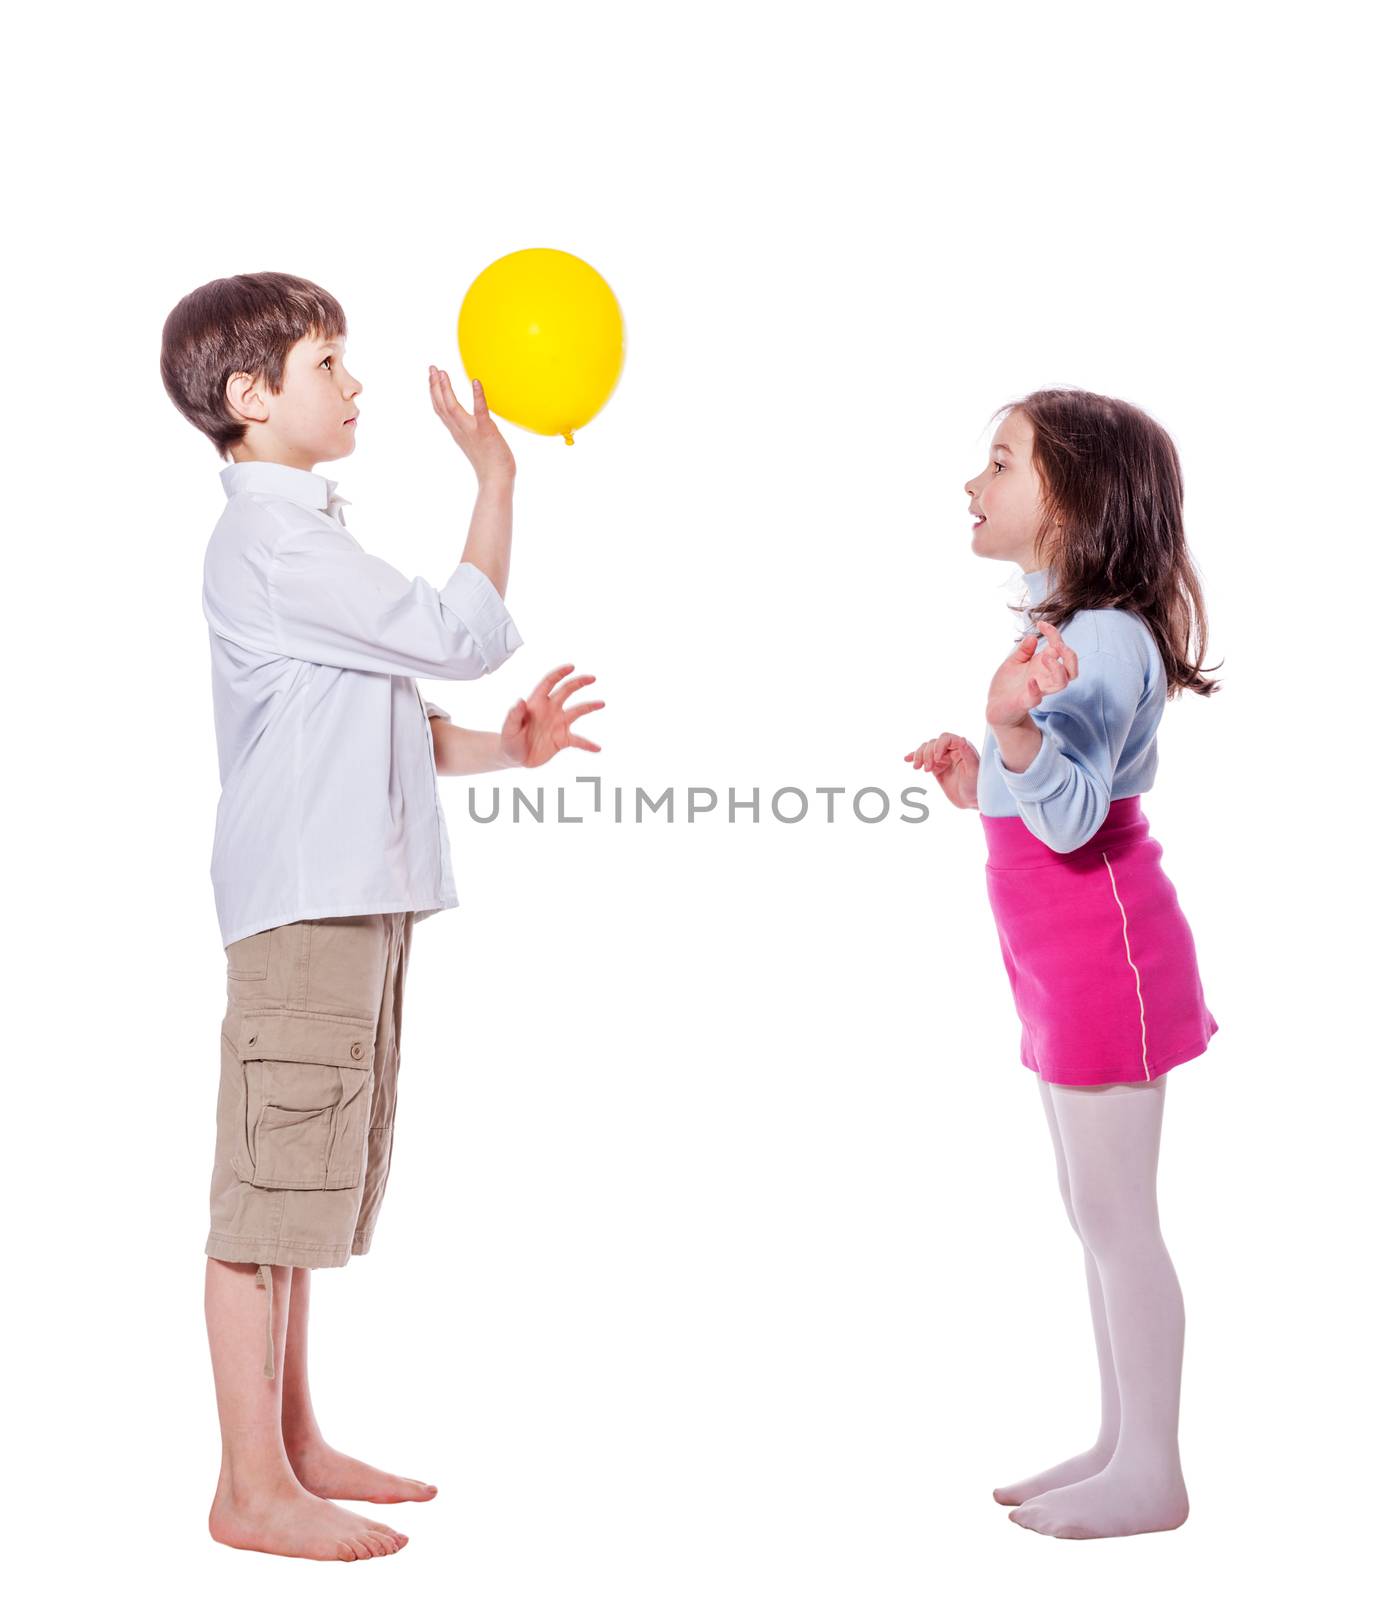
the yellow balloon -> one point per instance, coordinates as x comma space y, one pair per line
542, 331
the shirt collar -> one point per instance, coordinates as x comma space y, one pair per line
310, 489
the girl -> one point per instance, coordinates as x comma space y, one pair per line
1085, 493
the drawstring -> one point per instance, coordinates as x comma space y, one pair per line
266, 1278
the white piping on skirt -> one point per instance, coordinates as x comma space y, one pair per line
1137, 980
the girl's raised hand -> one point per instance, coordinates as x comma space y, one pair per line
954, 763
476, 435
1029, 675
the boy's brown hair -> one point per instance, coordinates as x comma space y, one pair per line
248, 323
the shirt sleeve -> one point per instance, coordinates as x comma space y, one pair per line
431, 710
1063, 794
333, 603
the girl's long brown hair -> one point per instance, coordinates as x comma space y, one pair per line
1112, 523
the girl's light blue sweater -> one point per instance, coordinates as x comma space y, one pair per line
1099, 733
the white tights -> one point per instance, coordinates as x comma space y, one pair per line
1130, 1480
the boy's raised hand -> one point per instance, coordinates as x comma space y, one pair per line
477, 435
1028, 675
539, 727
954, 763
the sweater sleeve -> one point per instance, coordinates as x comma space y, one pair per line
1063, 794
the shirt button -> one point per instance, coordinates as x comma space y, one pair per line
357, 1052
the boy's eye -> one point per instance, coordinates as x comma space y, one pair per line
325, 359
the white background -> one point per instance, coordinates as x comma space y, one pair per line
723, 1253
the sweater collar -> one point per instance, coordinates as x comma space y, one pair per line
1038, 584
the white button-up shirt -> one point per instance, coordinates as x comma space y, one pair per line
329, 804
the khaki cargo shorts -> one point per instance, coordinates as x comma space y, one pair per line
306, 1102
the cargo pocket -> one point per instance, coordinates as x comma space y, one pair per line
308, 1099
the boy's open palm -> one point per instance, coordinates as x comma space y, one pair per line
954, 763
1029, 675
539, 726
476, 434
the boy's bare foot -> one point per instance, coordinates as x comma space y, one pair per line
290, 1521
327, 1472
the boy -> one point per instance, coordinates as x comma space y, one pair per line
330, 845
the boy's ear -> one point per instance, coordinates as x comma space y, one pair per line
244, 397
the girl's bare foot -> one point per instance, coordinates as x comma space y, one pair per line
1085, 1465
327, 1472
290, 1521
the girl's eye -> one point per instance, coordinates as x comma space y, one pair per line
999, 465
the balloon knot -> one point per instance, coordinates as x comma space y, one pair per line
569, 438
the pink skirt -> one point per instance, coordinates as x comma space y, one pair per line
1099, 956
